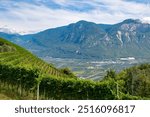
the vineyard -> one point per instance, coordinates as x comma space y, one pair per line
17, 56
25, 76
18, 65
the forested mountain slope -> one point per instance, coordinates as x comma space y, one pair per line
89, 40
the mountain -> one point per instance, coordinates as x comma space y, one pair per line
88, 40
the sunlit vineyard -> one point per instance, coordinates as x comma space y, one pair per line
16, 63
25, 59
25, 76
28, 76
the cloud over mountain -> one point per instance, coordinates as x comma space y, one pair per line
35, 15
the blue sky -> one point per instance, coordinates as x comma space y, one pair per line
36, 15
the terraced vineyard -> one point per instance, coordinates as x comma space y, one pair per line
25, 76
17, 56
17, 59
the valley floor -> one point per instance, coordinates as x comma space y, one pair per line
94, 69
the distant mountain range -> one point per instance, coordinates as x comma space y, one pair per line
87, 40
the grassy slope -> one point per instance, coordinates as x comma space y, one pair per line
17, 56
11, 54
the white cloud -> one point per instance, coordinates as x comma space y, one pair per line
146, 20
30, 17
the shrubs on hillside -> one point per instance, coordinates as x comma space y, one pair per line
134, 81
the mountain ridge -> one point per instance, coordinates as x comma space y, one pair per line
89, 40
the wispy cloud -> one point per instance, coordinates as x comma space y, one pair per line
41, 14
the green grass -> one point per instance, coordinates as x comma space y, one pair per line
4, 97
18, 56
8, 94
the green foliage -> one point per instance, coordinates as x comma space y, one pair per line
129, 97
52, 87
136, 80
59, 88
131, 83
110, 74
19, 77
68, 72
22, 58
26, 75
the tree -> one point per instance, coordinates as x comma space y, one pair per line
111, 74
68, 72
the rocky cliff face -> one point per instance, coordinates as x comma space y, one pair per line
92, 41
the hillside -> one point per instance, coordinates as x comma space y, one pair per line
134, 81
17, 63
137, 80
12, 54
24, 76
